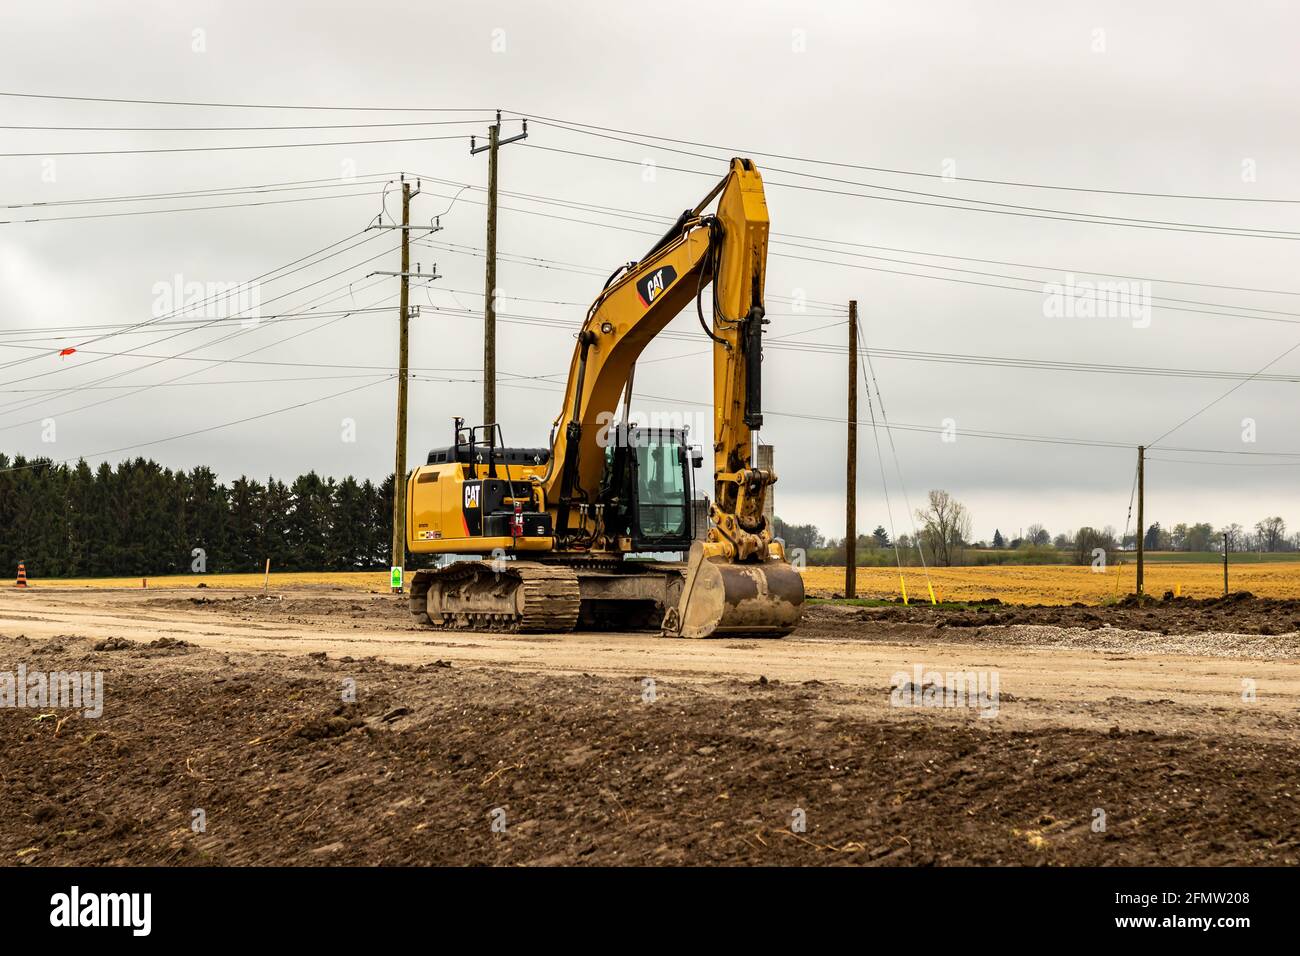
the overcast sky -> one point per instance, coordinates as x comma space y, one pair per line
1194, 99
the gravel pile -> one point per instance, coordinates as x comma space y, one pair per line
1208, 644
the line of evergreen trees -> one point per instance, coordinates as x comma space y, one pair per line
144, 519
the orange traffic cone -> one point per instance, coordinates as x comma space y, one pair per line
22, 576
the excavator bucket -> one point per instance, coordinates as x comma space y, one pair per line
725, 599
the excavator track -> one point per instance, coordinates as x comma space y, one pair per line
524, 597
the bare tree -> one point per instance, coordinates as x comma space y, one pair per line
1087, 540
947, 526
1232, 533
1272, 532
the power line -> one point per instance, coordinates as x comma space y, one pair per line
1129, 517
865, 366
880, 462
591, 130
1211, 404
652, 217
212, 363
1017, 278
250, 106
933, 429
188, 305
124, 328
785, 343
297, 265
1039, 282
289, 269
218, 149
571, 302
233, 129
605, 131
333, 294
1020, 211
997, 361
229, 381
155, 212
1038, 292
976, 433
50, 333
204, 431
349, 366
1229, 464
910, 192
1101, 293
1009, 361
217, 362
1026, 265
333, 182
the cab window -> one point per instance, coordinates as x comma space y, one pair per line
661, 491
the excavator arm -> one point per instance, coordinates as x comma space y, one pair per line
737, 579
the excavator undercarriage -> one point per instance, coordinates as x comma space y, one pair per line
536, 597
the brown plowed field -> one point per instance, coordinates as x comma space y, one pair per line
1180, 721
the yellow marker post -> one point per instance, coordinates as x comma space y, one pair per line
1178, 590
903, 584
931, 587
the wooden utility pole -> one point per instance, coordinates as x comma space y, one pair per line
403, 341
490, 269
404, 312
1141, 531
1225, 564
490, 286
851, 443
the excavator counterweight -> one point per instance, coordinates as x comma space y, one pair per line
556, 528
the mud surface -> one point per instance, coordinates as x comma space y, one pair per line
235, 707
1239, 613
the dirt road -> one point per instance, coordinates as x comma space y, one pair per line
630, 748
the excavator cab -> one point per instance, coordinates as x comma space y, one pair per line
648, 487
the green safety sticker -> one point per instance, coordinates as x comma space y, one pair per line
395, 578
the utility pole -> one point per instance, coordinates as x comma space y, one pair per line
1225, 564
490, 270
851, 443
1141, 531
398, 566
403, 341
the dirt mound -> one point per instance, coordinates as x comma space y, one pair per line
320, 727
386, 612
1240, 613
115, 644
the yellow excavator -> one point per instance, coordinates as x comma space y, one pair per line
560, 533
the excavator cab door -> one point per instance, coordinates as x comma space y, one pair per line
661, 490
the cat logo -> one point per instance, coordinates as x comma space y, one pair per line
653, 285
471, 495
